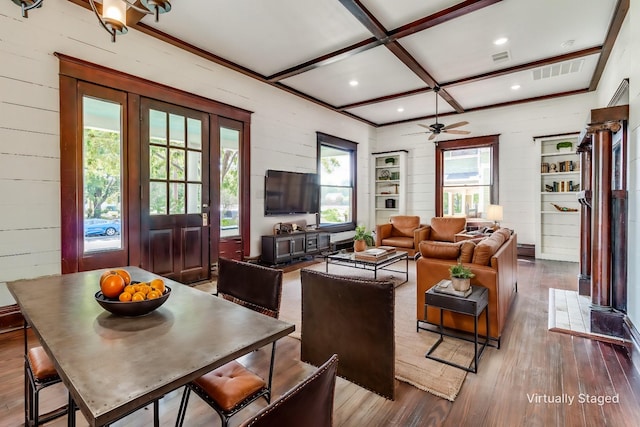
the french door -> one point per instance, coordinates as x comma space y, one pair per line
174, 220
141, 166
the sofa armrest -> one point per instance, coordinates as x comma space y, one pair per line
382, 232
420, 234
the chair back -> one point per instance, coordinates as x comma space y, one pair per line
404, 225
310, 403
353, 318
250, 285
444, 228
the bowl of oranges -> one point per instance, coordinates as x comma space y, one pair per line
121, 295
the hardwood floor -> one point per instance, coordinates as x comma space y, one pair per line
509, 389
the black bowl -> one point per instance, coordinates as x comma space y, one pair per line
132, 308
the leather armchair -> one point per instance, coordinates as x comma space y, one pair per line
403, 232
442, 229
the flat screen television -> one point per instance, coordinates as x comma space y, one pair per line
288, 193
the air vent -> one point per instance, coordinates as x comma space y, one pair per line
560, 69
500, 56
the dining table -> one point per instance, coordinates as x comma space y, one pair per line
114, 365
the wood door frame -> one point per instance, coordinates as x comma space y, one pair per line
71, 72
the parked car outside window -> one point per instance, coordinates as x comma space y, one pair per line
101, 227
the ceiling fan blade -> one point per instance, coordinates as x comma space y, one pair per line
456, 125
433, 136
457, 132
415, 133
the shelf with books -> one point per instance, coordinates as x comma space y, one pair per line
389, 185
558, 219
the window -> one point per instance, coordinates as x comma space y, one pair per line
337, 169
466, 176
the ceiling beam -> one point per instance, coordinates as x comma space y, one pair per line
523, 67
616, 23
440, 17
499, 105
385, 98
327, 59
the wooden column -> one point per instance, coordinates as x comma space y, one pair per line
604, 319
601, 214
584, 278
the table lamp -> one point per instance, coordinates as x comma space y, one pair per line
494, 213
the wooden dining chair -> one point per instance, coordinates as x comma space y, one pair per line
310, 403
231, 387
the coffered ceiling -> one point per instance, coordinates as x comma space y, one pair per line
397, 51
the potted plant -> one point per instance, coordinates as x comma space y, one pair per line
460, 277
362, 239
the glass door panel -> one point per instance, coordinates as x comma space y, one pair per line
102, 150
229, 182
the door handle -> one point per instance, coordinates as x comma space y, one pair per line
205, 219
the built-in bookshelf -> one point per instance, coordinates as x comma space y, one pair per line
389, 185
558, 216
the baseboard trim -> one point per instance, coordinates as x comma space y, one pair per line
526, 250
634, 347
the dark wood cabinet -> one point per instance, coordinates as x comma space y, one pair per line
284, 248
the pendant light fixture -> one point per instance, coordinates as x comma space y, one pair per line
114, 13
27, 5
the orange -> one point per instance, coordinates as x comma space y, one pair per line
138, 297
130, 289
125, 297
120, 272
112, 285
144, 289
157, 284
125, 275
153, 294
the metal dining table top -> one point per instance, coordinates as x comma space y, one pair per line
114, 365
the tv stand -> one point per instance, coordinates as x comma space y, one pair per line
283, 248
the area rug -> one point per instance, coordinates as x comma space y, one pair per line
569, 313
411, 366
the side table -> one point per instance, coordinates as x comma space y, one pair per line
473, 305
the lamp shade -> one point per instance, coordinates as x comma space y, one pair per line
494, 213
114, 11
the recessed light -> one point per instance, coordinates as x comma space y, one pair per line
400, 109
515, 87
500, 41
353, 83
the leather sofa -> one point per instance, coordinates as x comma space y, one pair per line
494, 262
403, 232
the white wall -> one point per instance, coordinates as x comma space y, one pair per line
283, 130
519, 162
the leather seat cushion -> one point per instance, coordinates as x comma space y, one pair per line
398, 242
41, 364
230, 384
466, 251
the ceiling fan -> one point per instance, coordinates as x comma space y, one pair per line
436, 128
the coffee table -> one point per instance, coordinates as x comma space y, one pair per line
349, 259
